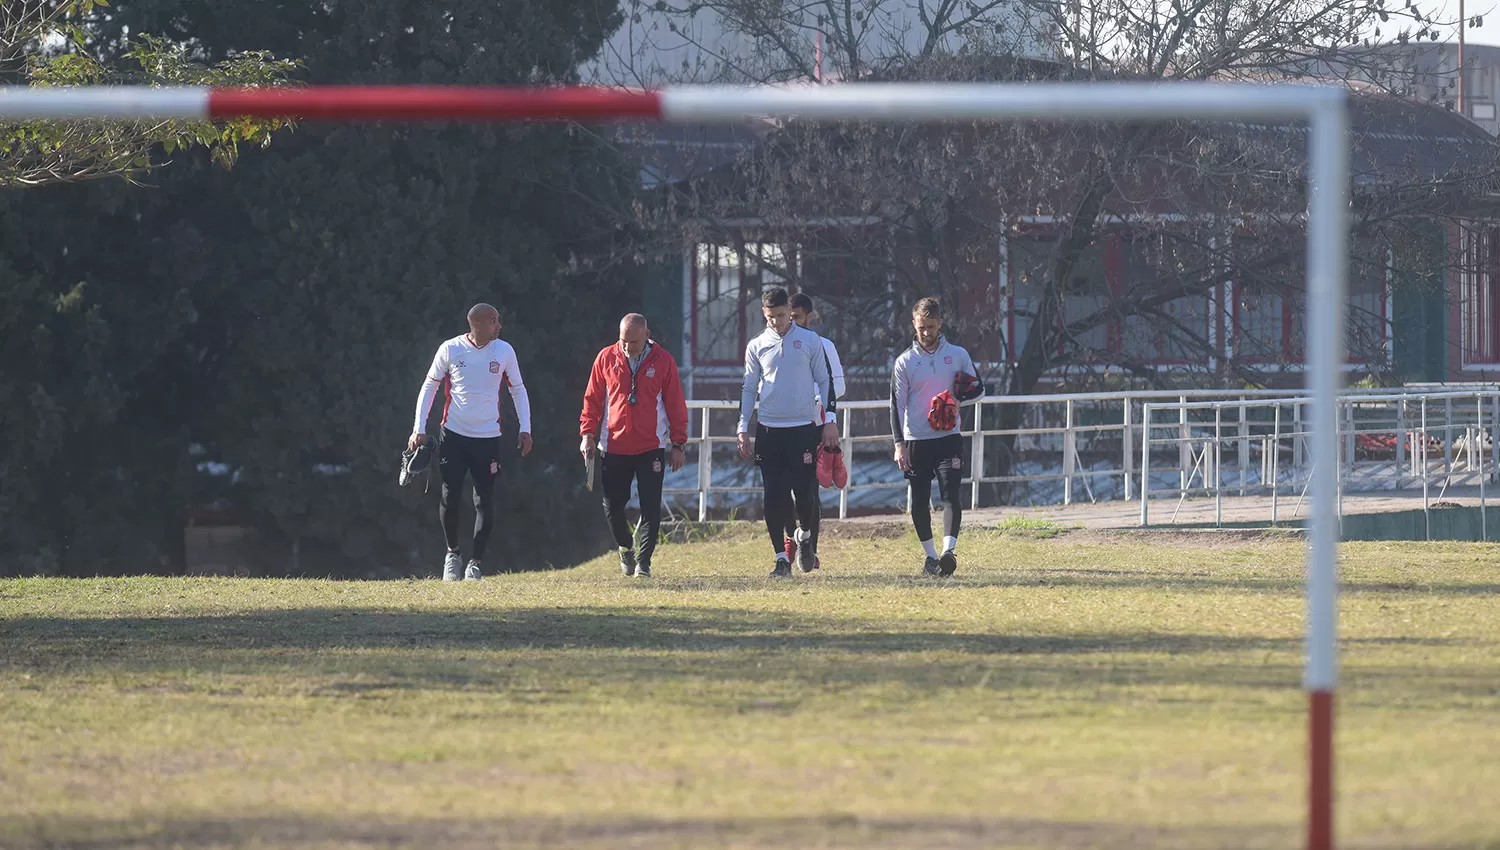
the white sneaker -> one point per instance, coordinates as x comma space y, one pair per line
453, 567
472, 572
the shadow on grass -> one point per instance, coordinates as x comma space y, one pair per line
1108, 579
350, 650
678, 629
590, 832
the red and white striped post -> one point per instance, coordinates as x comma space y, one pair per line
1327, 290
1324, 107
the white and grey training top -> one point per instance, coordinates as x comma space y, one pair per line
919, 376
788, 375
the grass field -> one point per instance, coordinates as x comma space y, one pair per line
1072, 691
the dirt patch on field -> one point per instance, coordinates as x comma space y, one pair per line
896, 528
1198, 538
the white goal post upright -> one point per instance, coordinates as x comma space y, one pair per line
1325, 108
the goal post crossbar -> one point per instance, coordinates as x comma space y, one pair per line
1324, 108
892, 102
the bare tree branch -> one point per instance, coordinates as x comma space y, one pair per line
926, 208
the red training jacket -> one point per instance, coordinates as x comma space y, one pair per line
658, 418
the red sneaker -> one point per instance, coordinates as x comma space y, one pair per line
840, 472
791, 550
825, 467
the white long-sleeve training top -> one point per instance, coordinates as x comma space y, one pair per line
471, 377
787, 376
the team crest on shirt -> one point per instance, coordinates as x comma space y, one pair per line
948, 361
494, 367
651, 373
797, 344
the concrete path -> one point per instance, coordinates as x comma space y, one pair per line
1235, 509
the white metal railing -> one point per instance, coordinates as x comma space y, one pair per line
1099, 443
1428, 435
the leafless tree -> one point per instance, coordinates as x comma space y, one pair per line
922, 209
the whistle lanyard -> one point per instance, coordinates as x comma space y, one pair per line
635, 370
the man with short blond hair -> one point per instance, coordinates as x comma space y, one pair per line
928, 382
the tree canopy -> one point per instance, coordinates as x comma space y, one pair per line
253, 339
48, 44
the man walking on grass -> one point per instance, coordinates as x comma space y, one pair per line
633, 412
831, 469
786, 373
471, 369
928, 382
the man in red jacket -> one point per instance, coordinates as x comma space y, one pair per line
633, 411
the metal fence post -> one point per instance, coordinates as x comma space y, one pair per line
1347, 467
846, 445
1070, 453
1422, 450
1244, 446
1275, 464
705, 465
1338, 480
1400, 439
1127, 441
1494, 432
1184, 450
1218, 476
1447, 436
1145, 461
1417, 454
1265, 460
976, 457
1297, 447
1484, 531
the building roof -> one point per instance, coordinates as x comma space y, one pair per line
1392, 141
1483, 53
673, 153
1395, 142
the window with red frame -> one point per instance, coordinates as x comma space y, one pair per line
1028, 264
1368, 331
1121, 265
1266, 304
851, 291
1268, 301
1479, 300
727, 281
1155, 267
854, 297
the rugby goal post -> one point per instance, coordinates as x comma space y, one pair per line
1325, 108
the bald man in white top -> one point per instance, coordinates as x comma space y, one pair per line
471, 369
